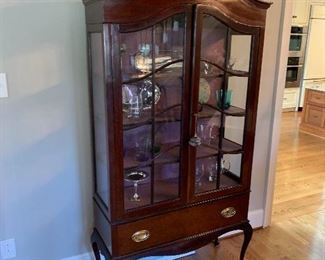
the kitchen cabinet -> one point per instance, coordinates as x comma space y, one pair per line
290, 98
313, 120
300, 12
174, 91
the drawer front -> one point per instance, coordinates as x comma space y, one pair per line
180, 224
314, 116
316, 97
290, 99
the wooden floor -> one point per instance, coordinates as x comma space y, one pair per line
298, 222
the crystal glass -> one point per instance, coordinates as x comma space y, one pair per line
135, 107
136, 177
223, 98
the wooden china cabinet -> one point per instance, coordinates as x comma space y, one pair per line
174, 90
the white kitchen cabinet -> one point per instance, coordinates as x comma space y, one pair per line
290, 98
300, 12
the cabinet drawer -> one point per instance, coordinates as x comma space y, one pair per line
316, 97
314, 115
179, 224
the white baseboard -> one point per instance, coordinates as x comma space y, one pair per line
86, 256
255, 217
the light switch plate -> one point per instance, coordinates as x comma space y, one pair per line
3, 86
8, 249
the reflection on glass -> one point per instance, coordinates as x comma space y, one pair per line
100, 116
240, 52
152, 95
224, 73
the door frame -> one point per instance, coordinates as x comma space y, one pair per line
280, 77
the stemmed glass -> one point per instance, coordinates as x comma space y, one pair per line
136, 177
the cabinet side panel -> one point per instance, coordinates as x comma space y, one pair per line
99, 114
103, 227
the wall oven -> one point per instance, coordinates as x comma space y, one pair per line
298, 40
294, 72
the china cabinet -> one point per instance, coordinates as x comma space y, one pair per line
174, 90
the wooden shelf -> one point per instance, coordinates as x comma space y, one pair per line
170, 114
209, 111
166, 70
169, 153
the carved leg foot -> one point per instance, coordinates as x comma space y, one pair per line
248, 232
96, 251
216, 242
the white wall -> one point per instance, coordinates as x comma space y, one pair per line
45, 166
265, 107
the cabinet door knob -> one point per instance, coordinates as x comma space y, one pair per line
228, 212
140, 236
195, 141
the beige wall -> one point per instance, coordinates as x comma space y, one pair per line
45, 167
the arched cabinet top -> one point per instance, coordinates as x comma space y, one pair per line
247, 12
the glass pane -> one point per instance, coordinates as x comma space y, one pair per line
152, 90
230, 170
213, 43
224, 75
99, 115
240, 52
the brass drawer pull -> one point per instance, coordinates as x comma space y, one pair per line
228, 212
140, 236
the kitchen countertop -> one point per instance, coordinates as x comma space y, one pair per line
319, 88
318, 84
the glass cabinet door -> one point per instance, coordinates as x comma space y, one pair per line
219, 108
152, 87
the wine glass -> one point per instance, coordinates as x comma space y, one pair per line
212, 169
199, 172
136, 177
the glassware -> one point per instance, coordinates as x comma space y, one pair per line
225, 165
223, 98
135, 107
143, 149
212, 169
199, 172
136, 177
146, 94
213, 134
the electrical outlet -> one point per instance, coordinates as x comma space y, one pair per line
8, 249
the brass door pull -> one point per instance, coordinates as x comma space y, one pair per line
228, 212
140, 236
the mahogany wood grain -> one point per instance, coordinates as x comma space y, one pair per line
179, 224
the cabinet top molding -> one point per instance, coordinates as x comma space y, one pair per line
247, 12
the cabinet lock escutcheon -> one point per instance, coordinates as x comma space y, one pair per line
140, 236
228, 212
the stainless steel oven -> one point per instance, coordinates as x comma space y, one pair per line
298, 40
294, 72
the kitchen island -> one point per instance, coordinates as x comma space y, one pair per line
313, 119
